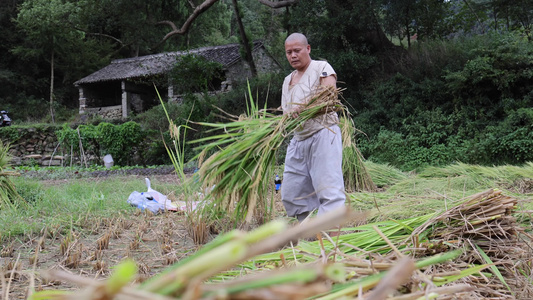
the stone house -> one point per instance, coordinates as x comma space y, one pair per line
127, 85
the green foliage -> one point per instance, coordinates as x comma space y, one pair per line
501, 66
404, 151
120, 141
469, 106
510, 141
193, 73
10, 134
123, 141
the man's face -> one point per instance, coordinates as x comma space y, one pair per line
297, 54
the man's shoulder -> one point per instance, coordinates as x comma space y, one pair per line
320, 63
321, 66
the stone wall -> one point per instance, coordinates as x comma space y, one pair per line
106, 112
264, 63
35, 145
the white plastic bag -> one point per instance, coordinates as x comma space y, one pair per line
160, 198
145, 201
135, 198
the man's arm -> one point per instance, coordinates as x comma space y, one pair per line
330, 80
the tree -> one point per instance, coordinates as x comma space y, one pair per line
424, 19
197, 11
245, 42
481, 16
45, 24
195, 74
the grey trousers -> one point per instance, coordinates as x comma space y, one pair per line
313, 174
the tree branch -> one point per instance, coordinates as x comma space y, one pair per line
107, 36
183, 30
278, 4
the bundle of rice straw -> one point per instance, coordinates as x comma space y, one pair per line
356, 177
485, 224
239, 174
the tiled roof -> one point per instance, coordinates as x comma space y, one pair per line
161, 63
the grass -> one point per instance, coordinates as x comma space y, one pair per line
73, 203
436, 189
402, 195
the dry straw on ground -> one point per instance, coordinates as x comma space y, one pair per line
446, 256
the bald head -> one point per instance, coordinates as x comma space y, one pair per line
298, 38
297, 51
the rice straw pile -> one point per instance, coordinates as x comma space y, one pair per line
482, 227
485, 225
240, 172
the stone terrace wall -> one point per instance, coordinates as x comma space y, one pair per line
33, 145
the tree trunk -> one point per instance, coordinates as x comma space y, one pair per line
408, 34
475, 14
52, 87
244, 39
495, 13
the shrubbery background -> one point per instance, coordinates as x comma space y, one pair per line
464, 100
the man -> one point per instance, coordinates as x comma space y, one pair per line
313, 165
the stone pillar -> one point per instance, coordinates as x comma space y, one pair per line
124, 100
170, 91
83, 100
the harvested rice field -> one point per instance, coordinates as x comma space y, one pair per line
459, 232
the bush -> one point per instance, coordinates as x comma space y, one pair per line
510, 141
124, 142
405, 152
465, 101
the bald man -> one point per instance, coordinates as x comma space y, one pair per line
312, 178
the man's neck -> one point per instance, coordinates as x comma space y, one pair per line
302, 70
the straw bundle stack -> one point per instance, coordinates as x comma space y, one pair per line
484, 224
482, 227
356, 177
